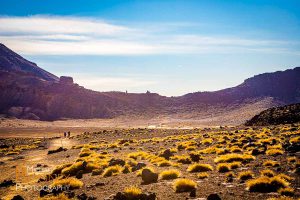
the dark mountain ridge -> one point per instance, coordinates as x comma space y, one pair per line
27, 91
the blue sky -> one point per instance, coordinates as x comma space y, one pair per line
168, 47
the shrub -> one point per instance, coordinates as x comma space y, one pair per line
199, 168
169, 174
132, 193
112, 171
202, 175
184, 185
223, 167
72, 183
164, 163
245, 175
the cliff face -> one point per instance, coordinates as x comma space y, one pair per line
27, 91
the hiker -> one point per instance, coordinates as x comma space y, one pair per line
65, 134
69, 134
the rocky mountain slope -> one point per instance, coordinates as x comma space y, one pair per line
278, 115
29, 92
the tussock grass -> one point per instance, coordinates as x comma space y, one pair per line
61, 196
132, 192
72, 183
245, 175
286, 191
268, 173
169, 174
112, 171
274, 152
234, 157
223, 167
199, 168
202, 175
271, 163
184, 185
265, 184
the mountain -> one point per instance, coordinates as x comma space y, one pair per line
27, 91
278, 115
10, 61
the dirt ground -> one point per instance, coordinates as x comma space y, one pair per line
30, 149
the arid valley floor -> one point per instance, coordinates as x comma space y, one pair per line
150, 163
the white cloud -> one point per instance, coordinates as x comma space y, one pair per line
56, 35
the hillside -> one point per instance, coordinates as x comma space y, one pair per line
29, 92
274, 116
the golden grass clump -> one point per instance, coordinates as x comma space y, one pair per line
234, 157
286, 191
112, 171
169, 174
202, 175
199, 168
268, 173
274, 152
182, 159
132, 192
71, 182
245, 175
61, 196
223, 167
266, 184
184, 185
271, 163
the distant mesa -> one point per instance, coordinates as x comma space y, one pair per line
29, 92
67, 80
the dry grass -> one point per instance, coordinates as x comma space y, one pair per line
234, 157
184, 185
112, 171
274, 152
223, 167
202, 175
245, 175
72, 183
199, 168
169, 174
268, 173
132, 193
265, 184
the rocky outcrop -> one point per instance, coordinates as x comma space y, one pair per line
279, 115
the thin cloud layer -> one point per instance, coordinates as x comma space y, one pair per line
56, 35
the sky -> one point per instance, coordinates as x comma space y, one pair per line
169, 47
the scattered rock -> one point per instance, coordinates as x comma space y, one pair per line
166, 154
213, 197
140, 165
57, 150
122, 196
148, 176
17, 197
7, 183
113, 162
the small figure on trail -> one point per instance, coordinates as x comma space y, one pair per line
69, 134
65, 134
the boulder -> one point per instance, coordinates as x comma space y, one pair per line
148, 176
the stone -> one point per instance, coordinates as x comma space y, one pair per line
213, 197
140, 165
17, 197
113, 162
148, 176
166, 154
